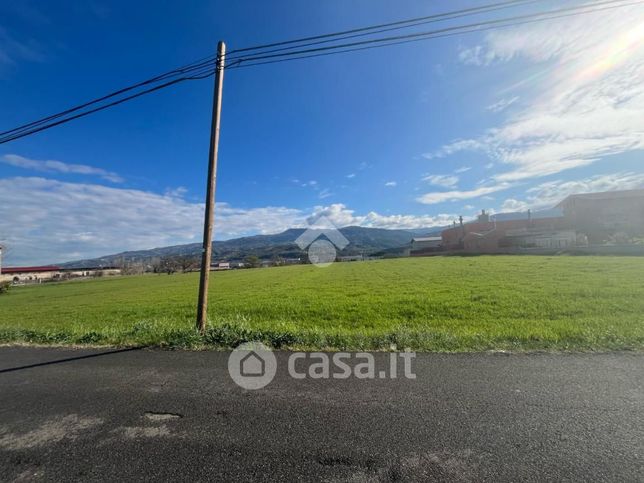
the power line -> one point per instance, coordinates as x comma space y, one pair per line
432, 35
200, 75
577, 10
207, 61
205, 67
384, 27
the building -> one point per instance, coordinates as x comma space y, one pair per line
583, 220
51, 273
30, 274
351, 258
591, 223
491, 235
529, 239
428, 245
601, 216
220, 266
78, 272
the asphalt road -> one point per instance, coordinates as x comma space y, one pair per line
150, 415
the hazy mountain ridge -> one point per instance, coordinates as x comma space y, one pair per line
363, 241
367, 241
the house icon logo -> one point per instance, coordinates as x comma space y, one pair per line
321, 251
252, 365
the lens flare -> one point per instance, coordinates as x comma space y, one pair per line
615, 54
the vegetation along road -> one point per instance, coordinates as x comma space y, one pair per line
433, 304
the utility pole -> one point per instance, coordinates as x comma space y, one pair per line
206, 254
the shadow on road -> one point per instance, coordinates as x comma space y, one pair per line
71, 359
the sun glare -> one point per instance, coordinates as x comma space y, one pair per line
615, 54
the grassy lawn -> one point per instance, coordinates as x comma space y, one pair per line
437, 304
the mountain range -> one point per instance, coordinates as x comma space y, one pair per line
362, 241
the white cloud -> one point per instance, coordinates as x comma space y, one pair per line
391, 184
342, 216
443, 196
586, 91
476, 55
512, 205
503, 104
462, 170
444, 181
455, 147
548, 195
13, 50
51, 166
325, 193
352, 175
178, 192
46, 221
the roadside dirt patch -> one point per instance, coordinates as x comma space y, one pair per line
143, 432
51, 431
159, 417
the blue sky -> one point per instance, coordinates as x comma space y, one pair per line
401, 137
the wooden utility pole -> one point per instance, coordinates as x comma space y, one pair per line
206, 254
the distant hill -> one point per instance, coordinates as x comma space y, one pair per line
365, 241
423, 232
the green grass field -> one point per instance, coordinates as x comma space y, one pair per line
434, 304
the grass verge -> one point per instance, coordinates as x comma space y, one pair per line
429, 304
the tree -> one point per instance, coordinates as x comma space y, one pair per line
188, 263
252, 261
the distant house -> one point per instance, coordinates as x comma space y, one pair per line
49, 273
427, 245
351, 258
30, 274
220, 266
89, 271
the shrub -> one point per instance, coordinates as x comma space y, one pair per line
4, 287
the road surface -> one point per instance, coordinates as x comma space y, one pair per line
70, 414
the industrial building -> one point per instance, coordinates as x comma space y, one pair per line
594, 219
423, 246
601, 216
489, 235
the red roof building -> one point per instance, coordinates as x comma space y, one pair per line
487, 235
46, 268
